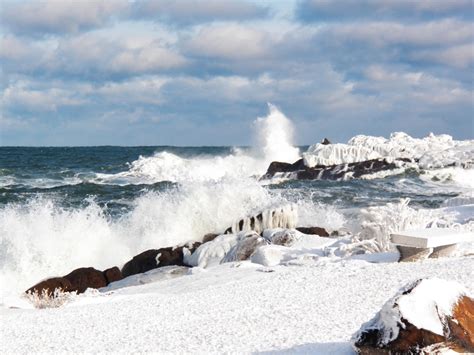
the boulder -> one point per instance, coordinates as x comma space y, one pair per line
86, 277
313, 230
141, 263
49, 286
427, 314
325, 141
154, 258
244, 248
209, 237
113, 274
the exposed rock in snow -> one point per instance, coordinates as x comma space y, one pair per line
113, 274
426, 312
50, 286
313, 230
153, 258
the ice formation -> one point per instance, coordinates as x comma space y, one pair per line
433, 151
280, 217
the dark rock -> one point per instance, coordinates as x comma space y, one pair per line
209, 237
141, 263
113, 274
326, 142
86, 277
330, 172
313, 230
153, 258
50, 285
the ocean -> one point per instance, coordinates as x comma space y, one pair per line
67, 207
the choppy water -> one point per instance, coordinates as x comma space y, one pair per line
66, 207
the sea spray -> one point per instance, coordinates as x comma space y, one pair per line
275, 137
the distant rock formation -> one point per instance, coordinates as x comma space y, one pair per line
299, 171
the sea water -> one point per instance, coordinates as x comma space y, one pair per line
68, 207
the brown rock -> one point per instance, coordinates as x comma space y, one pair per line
50, 285
461, 324
113, 274
209, 237
141, 263
376, 336
86, 277
153, 258
313, 230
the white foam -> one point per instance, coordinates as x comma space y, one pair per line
42, 239
273, 135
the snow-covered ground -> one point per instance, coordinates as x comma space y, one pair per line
242, 307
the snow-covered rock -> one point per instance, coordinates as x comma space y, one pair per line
269, 255
426, 312
244, 248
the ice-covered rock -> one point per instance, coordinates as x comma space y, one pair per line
335, 154
280, 236
212, 253
424, 313
245, 247
279, 217
371, 157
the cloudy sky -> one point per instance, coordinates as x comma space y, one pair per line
199, 72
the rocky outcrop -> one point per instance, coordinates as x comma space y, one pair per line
86, 277
78, 281
314, 231
113, 274
428, 314
300, 171
209, 237
153, 258
49, 286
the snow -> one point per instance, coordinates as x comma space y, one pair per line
430, 299
240, 307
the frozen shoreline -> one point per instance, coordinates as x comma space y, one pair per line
311, 308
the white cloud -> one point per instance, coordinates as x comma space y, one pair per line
441, 32
230, 41
22, 97
59, 16
460, 56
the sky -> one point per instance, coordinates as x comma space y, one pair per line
199, 72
